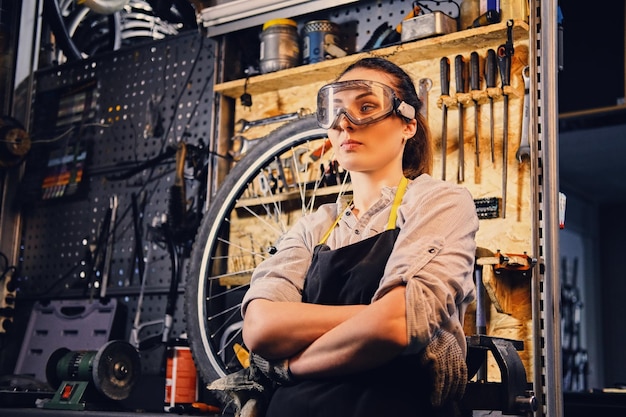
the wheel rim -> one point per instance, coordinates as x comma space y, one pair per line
222, 265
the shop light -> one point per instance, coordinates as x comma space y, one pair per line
238, 14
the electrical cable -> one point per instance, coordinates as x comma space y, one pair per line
421, 4
183, 90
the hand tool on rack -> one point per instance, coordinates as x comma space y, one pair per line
97, 253
423, 87
138, 205
504, 64
474, 79
523, 151
244, 124
138, 326
444, 67
459, 72
240, 146
490, 81
104, 282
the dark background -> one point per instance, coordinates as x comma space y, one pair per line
593, 64
592, 147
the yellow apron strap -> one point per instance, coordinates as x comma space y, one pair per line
391, 224
330, 229
393, 216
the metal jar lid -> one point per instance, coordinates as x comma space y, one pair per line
320, 26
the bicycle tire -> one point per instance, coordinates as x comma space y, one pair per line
212, 310
80, 32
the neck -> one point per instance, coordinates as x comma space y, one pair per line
367, 188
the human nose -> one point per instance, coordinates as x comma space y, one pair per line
342, 121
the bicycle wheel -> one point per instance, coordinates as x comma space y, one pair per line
85, 29
277, 181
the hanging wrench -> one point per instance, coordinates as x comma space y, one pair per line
424, 86
246, 124
241, 145
523, 152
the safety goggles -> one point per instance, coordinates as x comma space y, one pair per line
361, 101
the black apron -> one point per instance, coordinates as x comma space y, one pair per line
346, 276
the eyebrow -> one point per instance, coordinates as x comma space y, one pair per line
365, 94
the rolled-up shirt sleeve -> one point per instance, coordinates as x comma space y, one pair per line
434, 258
280, 277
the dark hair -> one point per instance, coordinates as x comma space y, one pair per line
418, 153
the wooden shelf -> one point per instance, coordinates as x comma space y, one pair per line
404, 53
289, 195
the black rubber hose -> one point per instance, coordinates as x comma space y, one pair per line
52, 15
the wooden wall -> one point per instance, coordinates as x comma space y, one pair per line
509, 312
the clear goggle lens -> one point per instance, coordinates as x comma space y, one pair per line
360, 101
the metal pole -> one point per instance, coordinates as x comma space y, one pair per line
546, 285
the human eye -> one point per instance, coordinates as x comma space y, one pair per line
369, 102
368, 107
365, 107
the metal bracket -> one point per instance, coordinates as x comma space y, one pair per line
512, 395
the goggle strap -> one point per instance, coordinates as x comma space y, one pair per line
406, 110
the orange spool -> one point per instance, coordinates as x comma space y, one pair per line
181, 385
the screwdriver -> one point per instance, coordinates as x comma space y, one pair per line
459, 68
475, 86
444, 66
504, 64
490, 81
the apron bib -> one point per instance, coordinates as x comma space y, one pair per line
346, 276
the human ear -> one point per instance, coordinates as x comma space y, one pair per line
410, 128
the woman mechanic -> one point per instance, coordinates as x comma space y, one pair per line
360, 311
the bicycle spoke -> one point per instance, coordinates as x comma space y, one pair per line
278, 231
224, 293
275, 183
223, 312
229, 341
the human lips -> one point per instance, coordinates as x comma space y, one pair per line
350, 144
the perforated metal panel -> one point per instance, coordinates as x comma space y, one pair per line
363, 20
106, 123
370, 15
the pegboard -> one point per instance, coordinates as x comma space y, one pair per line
105, 133
362, 20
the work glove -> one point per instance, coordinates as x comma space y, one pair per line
445, 362
244, 392
276, 370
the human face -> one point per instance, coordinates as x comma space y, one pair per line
375, 146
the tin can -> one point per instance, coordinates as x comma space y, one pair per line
280, 47
321, 41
